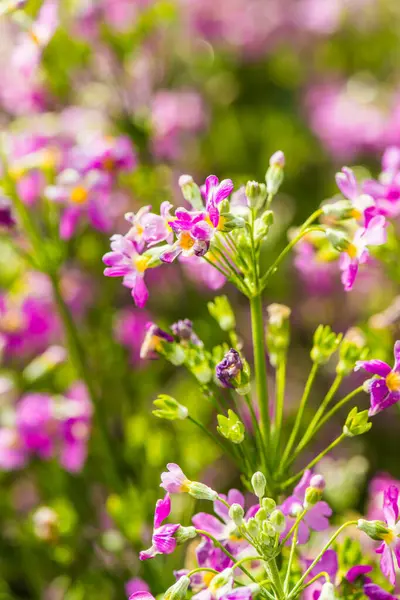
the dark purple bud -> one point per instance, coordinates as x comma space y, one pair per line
229, 368
183, 330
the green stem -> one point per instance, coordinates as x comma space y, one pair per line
337, 407
313, 217
314, 461
326, 401
273, 268
280, 379
257, 432
291, 557
275, 577
322, 574
318, 558
260, 366
200, 570
294, 527
300, 413
208, 433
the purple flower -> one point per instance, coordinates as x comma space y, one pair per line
229, 368
347, 183
316, 517
328, 563
75, 428
110, 155
357, 253
141, 595
13, 453
82, 195
163, 541
390, 547
386, 191
223, 528
174, 480
136, 585
210, 557
153, 341
37, 425
215, 193
124, 261
148, 228
193, 235
385, 390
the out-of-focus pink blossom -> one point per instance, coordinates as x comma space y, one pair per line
130, 328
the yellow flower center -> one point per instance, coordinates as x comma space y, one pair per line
393, 381
141, 263
186, 241
356, 214
109, 163
139, 229
34, 37
351, 250
185, 485
79, 195
207, 578
389, 537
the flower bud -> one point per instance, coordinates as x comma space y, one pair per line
236, 513
256, 194
191, 192
259, 483
231, 427
318, 482
325, 344
262, 225
221, 310
338, 239
268, 504
178, 590
252, 527
229, 369
183, 330
200, 491
184, 534
356, 423
327, 591
313, 493
376, 530
340, 210
168, 408
277, 333
261, 515
219, 581
277, 520
274, 174
352, 349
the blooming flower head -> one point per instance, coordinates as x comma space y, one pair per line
110, 155
316, 517
37, 425
124, 261
390, 547
149, 229
385, 390
13, 452
163, 541
357, 253
81, 194
193, 235
347, 183
215, 192
386, 190
174, 480
75, 428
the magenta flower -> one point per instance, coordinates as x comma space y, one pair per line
174, 480
82, 195
163, 541
124, 261
141, 595
129, 330
110, 155
223, 528
357, 253
193, 235
215, 192
385, 390
316, 517
328, 563
13, 453
386, 190
347, 183
390, 547
136, 585
75, 428
208, 556
37, 425
148, 228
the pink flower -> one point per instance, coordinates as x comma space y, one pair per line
163, 540
148, 228
390, 547
75, 428
110, 155
357, 253
193, 235
136, 585
37, 425
174, 480
13, 453
215, 193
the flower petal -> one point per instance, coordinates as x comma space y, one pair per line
376, 367
210, 524
162, 511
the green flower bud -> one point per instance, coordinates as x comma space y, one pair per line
274, 175
231, 427
168, 408
236, 513
352, 349
327, 591
256, 194
178, 590
277, 333
221, 310
174, 353
200, 491
268, 504
220, 581
277, 520
184, 534
312, 496
261, 515
266, 539
252, 527
338, 239
262, 225
191, 192
340, 210
325, 344
376, 530
268, 529
356, 423
259, 483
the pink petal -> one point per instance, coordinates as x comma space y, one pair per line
376, 367
163, 510
140, 292
209, 523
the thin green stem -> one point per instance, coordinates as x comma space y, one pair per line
208, 433
274, 575
314, 422
273, 268
291, 557
322, 574
313, 217
318, 558
314, 461
294, 527
260, 366
247, 559
213, 264
200, 570
337, 407
280, 381
299, 415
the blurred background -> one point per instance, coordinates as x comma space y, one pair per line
197, 87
